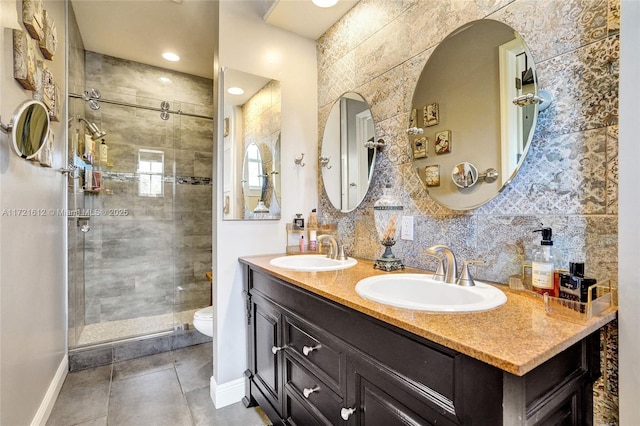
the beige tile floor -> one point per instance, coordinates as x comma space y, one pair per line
170, 388
122, 329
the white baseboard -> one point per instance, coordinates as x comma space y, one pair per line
226, 393
44, 411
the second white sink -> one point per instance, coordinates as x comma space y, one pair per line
312, 263
421, 292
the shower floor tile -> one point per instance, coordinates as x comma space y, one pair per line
162, 389
122, 329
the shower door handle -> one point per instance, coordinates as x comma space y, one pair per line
83, 223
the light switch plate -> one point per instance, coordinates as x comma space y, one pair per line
407, 228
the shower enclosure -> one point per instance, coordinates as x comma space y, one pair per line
140, 195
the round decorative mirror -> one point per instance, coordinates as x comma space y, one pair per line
29, 129
346, 161
253, 181
467, 134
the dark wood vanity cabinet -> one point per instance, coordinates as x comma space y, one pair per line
312, 361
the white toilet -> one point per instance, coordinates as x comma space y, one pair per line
203, 321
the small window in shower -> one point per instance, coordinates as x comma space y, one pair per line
150, 173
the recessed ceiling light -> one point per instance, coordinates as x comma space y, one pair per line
235, 91
165, 79
325, 3
170, 56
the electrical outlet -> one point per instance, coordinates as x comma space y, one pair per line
407, 228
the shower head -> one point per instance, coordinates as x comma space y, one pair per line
96, 133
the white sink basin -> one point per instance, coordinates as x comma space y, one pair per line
312, 263
421, 292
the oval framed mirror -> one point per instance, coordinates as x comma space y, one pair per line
463, 113
29, 129
347, 163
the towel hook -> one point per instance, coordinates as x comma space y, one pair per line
298, 160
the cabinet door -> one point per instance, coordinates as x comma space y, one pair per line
566, 409
267, 352
377, 396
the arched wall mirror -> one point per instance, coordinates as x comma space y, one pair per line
251, 163
467, 136
346, 161
28, 129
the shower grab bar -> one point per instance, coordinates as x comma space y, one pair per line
127, 104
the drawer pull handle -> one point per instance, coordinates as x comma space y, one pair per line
308, 391
306, 350
276, 349
345, 413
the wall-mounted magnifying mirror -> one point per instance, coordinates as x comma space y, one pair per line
28, 129
251, 159
346, 161
463, 112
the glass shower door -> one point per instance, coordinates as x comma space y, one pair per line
140, 246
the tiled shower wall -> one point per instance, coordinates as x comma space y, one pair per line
149, 255
569, 178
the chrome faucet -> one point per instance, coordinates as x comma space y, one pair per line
450, 266
333, 244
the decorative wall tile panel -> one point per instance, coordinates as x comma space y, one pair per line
386, 94
506, 242
338, 78
353, 29
601, 247
613, 17
612, 170
604, 406
569, 179
376, 56
585, 87
552, 28
428, 23
412, 69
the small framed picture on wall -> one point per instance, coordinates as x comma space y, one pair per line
420, 147
443, 142
413, 118
431, 115
432, 175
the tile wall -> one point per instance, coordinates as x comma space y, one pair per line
569, 178
149, 255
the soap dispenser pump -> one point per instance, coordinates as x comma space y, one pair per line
543, 265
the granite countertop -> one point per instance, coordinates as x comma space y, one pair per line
515, 337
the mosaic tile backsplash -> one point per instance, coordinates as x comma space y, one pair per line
569, 178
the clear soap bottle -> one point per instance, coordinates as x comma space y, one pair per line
543, 265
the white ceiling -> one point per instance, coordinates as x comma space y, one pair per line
141, 30
250, 83
304, 18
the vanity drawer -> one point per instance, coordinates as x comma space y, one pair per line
312, 393
299, 415
314, 351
